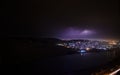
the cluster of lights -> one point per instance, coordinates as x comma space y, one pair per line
87, 45
112, 43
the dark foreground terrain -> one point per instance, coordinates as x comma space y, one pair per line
20, 52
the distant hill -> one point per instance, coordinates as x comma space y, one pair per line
31, 48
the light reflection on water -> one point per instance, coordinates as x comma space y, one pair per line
76, 62
109, 54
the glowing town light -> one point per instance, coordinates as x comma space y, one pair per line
82, 51
87, 49
68, 47
112, 43
60, 44
104, 48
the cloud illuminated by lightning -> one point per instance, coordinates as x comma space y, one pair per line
77, 33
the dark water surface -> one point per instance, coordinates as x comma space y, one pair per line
72, 64
75, 64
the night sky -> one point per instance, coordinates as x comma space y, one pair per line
61, 19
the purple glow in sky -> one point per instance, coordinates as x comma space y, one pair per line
86, 32
77, 33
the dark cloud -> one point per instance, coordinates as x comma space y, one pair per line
50, 17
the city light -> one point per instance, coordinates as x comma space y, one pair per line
89, 44
87, 49
82, 51
112, 43
60, 44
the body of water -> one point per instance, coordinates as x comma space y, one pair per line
75, 63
